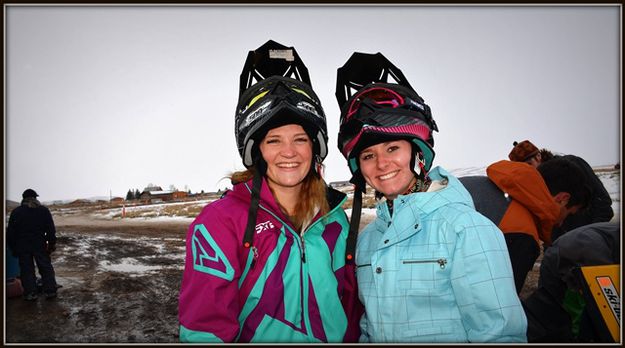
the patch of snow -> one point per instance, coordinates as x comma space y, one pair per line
612, 183
460, 172
364, 212
128, 265
163, 218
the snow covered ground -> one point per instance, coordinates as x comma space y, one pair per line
612, 182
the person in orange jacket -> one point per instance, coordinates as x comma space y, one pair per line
526, 203
599, 208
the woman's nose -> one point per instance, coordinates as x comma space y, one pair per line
288, 149
382, 161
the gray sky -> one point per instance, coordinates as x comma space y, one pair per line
101, 99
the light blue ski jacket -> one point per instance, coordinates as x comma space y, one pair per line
436, 271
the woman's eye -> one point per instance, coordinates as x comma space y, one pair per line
272, 141
392, 148
365, 157
301, 140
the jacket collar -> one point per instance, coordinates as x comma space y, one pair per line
445, 189
244, 191
267, 200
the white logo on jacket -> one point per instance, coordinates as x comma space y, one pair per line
263, 226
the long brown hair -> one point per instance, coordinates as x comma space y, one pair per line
313, 195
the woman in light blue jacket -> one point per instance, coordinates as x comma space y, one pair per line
430, 268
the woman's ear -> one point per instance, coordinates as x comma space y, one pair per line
562, 198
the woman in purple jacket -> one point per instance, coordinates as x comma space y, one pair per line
268, 261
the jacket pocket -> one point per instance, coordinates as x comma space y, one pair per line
434, 333
424, 271
364, 276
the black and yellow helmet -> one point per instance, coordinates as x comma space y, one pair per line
275, 90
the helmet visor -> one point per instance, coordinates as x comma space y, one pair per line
263, 92
276, 102
378, 95
259, 104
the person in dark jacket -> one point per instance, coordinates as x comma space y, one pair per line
556, 309
525, 203
31, 236
600, 207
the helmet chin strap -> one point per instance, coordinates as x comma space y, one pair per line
416, 168
418, 164
352, 236
260, 169
318, 166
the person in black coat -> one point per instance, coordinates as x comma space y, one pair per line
556, 311
31, 236
600, 207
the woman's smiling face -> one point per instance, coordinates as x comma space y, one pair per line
386, 167
288, 153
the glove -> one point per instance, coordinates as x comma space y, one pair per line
50, 247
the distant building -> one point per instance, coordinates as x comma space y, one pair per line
152, 189
161, 196
79, 203
117, 200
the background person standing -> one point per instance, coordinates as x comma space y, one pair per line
31, 236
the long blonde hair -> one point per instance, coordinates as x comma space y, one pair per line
313, 195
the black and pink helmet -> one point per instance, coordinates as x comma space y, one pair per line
375, 110
380, 110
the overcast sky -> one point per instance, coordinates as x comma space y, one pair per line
102, 99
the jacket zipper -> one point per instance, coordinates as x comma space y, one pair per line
304, 282
441, 262
301, 237
254, 257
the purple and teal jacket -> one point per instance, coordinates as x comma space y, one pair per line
292, 289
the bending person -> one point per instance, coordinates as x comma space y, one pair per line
599, 208
526, 203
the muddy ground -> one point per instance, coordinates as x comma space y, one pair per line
120, 282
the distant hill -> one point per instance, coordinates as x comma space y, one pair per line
607, 168
10, 205
66, 201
